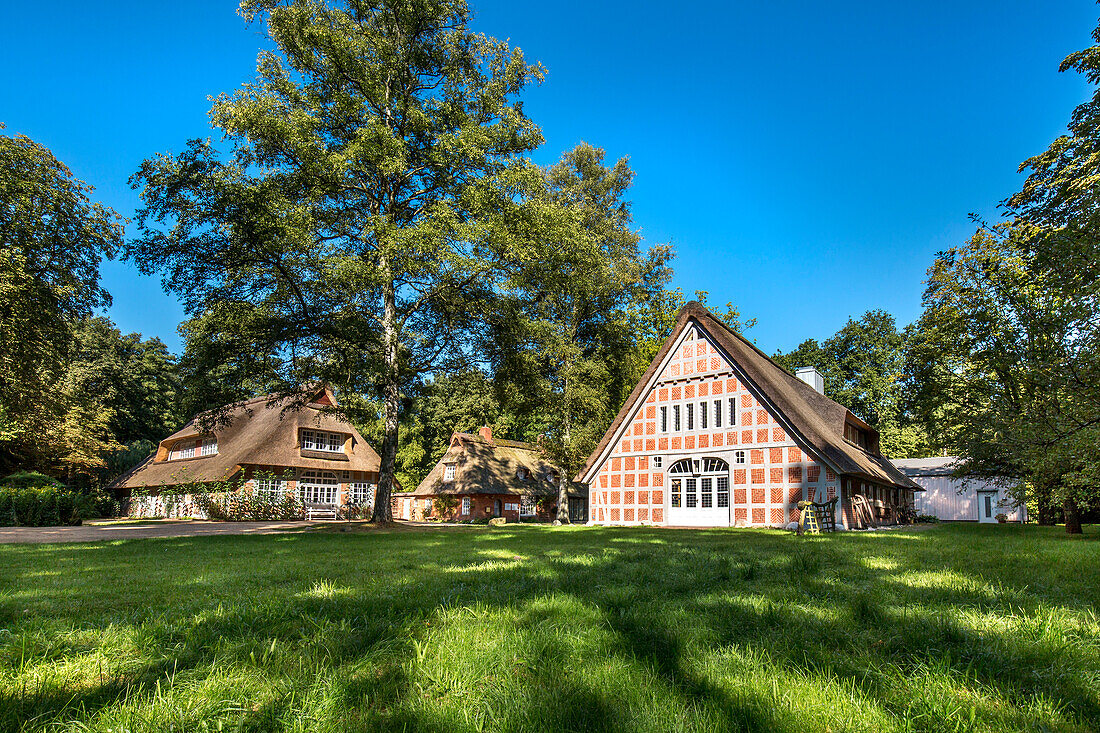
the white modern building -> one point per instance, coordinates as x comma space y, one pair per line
957, 499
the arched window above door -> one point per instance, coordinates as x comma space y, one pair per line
697, 466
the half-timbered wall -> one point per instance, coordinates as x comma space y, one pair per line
769, 473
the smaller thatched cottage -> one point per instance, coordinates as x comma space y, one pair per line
481, 477
304, 456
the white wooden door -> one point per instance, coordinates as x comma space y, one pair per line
987, 507
699, 493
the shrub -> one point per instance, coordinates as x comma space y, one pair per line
244, 506
29, 480
40, 506
930, 518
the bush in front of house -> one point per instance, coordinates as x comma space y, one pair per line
239, 506
43, 505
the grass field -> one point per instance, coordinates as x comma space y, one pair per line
535, 628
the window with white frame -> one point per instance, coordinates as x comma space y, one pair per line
209, 446
318, 487
362, 493
269, 488
465, 505
706, 492
449, 472
677, 488
718, 413
691, 497
739, 457
733, 411
703, 415
689, 409
182, 450
322, 441
526, 506
723, 491
657, 461
664, 419
676, 418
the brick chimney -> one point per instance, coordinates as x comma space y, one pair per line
486, 433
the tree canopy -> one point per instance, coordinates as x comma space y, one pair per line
362, 209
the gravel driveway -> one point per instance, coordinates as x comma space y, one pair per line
127, 531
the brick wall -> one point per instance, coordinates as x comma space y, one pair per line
769, 472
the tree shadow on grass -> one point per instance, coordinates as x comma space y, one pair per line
814, 608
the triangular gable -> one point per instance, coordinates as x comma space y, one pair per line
682, 356
813, 421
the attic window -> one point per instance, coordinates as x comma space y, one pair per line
182, 450
209, 446
322, 441
522, 474
856, 435
449, 472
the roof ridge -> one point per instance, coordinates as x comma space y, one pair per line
758, 350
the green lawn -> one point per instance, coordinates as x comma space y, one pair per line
535, 628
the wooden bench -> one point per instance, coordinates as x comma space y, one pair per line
320, 511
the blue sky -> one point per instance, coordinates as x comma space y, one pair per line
806, 160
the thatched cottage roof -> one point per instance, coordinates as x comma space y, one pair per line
816, 420
258, 432
487, 465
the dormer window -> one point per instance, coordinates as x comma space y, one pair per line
523, 474
322, 441
182, 450
209, 446
449, 472
856, 435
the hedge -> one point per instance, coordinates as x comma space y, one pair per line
40, 506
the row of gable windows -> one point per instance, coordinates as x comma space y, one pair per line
704, 415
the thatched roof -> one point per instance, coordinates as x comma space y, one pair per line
258, 432
488, 465
816, 422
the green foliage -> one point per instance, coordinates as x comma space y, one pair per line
234, 500
444, 505
52, 239
361, 212
866, 367
42, 505
29, 480
570, 292
1005, 357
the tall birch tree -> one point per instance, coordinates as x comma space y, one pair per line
358, 213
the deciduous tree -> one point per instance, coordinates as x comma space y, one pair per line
362, 207
52, 239
573, 286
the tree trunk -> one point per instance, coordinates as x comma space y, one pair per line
1073, 519
563, 496
391, 403
563, 477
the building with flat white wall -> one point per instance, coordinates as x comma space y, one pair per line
957, 499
